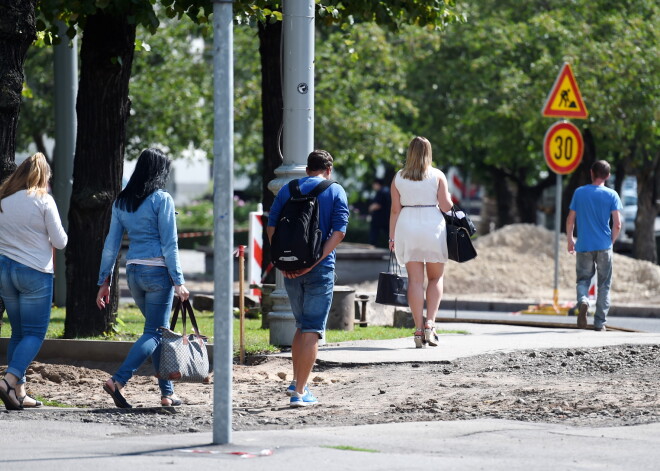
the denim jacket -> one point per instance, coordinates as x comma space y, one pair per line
151, 233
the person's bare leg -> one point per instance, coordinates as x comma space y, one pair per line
306, 357
416, 292
435, 273
296, 346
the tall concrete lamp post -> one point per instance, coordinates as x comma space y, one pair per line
298, 120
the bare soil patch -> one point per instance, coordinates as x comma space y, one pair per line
596, 387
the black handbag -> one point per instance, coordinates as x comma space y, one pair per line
457, 217
459, 244
392, 286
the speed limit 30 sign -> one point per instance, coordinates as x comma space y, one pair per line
563, 147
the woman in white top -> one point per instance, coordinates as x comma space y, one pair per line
418, 233
30, 227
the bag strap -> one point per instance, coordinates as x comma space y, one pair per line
393, 265
188, 307
321, 187
175, 314
294, 189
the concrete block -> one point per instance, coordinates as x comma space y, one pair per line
204, 302
403, 318
342, 309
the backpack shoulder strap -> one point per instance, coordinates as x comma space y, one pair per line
294, 189
321, 187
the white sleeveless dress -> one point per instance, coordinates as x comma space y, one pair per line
420, 234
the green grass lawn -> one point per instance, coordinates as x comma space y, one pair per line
130, 324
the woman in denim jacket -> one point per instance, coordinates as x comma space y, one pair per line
153, 270
29, 229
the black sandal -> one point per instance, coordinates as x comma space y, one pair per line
29, 406
119, 400
174, 401
9, 403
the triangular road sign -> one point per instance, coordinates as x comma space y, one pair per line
565, 100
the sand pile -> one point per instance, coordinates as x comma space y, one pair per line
517, 262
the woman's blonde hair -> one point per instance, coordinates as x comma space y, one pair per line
32, 175
418, 159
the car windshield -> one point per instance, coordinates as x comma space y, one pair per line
630, 200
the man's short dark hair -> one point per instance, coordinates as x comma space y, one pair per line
319, 159
600, 169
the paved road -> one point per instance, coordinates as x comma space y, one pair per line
493, 445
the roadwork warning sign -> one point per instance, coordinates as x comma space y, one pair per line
565, 100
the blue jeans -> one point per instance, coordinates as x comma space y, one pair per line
28, 296
311, 296
588, 263
153, 292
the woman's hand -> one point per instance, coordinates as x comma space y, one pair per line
103, 296
391, 242
181, 292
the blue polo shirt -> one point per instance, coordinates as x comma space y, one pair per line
333, 210
593, 206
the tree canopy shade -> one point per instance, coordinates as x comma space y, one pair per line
482, 90
103, 108
109, 31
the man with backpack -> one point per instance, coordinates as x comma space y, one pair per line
297, 220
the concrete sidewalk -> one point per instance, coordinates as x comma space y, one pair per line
466, 445
480, 339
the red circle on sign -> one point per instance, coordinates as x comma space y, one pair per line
563, 147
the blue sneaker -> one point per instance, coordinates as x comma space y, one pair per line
303, 400
291, 390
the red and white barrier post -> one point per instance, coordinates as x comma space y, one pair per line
592, 290
255, 249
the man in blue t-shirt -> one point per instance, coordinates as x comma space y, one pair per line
310, 289
592, 206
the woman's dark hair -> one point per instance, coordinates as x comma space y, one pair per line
150, 174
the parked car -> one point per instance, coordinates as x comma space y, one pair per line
629, 201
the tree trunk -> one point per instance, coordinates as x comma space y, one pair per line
648, 194
106, 57
503, 198
272, 105
17, 31
527, 198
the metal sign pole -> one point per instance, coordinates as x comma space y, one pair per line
555, 297
223, 218
66, 89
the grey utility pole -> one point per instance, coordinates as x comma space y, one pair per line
223, 217
298, 96
66, 90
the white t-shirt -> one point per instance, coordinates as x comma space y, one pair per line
30, 227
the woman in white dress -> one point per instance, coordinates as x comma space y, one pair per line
418, 233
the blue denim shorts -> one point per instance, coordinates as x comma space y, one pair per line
311, 296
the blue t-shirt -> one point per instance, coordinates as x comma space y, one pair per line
593, 206
333, 210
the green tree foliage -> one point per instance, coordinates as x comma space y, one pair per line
482, 89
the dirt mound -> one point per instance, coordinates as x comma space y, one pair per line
517, 261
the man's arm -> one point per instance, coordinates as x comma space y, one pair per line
329, 245
616, 224
570, 226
